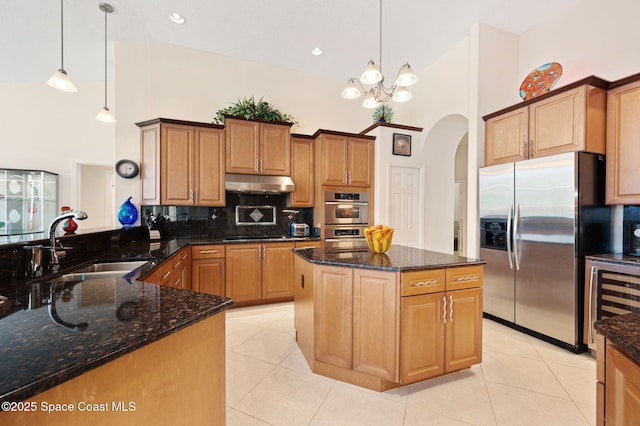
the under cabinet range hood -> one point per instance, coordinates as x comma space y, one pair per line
258, 184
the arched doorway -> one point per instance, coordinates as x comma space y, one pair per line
445, 155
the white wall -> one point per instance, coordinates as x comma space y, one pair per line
43, 128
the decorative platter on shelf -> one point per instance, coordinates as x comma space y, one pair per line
541, 80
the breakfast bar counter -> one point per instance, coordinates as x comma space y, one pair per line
382, 321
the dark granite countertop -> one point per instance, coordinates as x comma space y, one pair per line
42, 345
398, 258
618, 258
624, 332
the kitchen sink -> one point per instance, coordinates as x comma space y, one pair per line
100, 270
111, 267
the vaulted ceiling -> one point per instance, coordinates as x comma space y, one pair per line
276, 32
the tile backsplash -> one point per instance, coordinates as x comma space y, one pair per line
220, 222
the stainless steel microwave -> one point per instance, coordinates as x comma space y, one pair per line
346, 208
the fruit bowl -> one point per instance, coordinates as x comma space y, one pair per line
378, 238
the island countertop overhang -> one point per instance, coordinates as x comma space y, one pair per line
398, 258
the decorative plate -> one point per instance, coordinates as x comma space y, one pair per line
541, 80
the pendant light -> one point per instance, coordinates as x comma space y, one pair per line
60, 80
371, 83
104, 114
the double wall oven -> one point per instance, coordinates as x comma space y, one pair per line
346, 215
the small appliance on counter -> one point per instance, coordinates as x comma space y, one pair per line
298, 230
631, 231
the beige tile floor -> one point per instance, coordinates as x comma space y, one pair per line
521, 381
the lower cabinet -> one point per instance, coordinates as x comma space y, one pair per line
618, 387
208, 269
364, 324
173, 272
255, 272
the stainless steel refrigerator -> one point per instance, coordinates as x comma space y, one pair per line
538, 219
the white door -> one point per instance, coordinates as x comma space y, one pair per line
404, 205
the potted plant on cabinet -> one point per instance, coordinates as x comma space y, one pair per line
250, 109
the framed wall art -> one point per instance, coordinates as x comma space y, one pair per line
401, 144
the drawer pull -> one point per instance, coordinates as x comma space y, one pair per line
208, 251
177, 264
166, 274
423, 283
467, 278
184, 256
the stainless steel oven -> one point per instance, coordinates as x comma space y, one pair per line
344, 237
346, 208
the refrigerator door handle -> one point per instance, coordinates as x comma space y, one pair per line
509, 253
591, 300
516, 219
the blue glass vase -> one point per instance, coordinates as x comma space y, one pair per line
127, 213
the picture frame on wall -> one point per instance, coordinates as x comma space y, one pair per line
402, 144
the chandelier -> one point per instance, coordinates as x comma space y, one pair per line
371, 82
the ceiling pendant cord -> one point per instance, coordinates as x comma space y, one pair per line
60, 80
105, 114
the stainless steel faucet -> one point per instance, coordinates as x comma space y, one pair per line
54, 262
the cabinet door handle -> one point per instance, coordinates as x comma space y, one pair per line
166, 274
349, 178
196, 197
525, 150
344, 178
466, 278
531, 149
191, 196
261, 166
444, 309
451, 308
423, 283
208, 251
184, 256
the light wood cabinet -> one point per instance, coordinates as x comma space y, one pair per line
571, 120
255, 272
302, 172
353, 324
208, 269
173, 272
343, 160
182, 164
255, 147
442, 331
618, 386
623, 149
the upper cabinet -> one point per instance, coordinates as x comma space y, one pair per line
302, 171
572, 118
256, 147
182, 163
623, 149
344, 160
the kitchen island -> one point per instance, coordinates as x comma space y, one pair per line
113, 350
382, 321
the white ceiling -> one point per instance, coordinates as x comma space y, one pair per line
276, 32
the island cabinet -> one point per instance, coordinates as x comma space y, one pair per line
207, 269
623, 149
302, 172
567, 120
256, 147
441, 322
182, 163
259, 272
382, 328
344, 160
173, 272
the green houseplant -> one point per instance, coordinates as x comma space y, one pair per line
251, 109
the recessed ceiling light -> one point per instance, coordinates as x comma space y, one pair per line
316, 51
176, 18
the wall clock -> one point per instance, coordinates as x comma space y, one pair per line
127, 169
